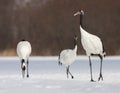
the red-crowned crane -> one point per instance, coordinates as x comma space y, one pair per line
92, 44
24, 51
67, 57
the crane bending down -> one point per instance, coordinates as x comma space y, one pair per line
24, 51
91, 44
68, 56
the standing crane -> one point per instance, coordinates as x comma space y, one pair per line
24, 51
92, 44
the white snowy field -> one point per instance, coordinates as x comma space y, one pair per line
46, 76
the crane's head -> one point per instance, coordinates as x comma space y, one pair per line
23, 40
23, 66
80, 12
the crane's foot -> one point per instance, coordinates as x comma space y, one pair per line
27, 76
72, 77
92, 80
100, 77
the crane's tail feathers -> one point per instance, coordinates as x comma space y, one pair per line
104, 54
59, 63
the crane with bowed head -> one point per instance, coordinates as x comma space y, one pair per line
24, 50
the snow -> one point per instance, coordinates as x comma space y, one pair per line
47, 77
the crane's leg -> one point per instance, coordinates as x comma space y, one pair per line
100, 76
59, 63
91, 69
27, 68
67, 71
70, 72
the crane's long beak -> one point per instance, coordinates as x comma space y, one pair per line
77, 13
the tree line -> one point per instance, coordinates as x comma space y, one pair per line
50, 25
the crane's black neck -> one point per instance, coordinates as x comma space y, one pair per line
81, 20
75, 42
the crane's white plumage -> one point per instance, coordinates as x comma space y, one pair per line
68, 56
24, 51
92, 44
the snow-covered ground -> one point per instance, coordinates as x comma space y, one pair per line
47, 77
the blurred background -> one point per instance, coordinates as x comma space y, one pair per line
49, 25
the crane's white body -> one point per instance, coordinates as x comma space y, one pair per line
24, 50
68, 56
91, 43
